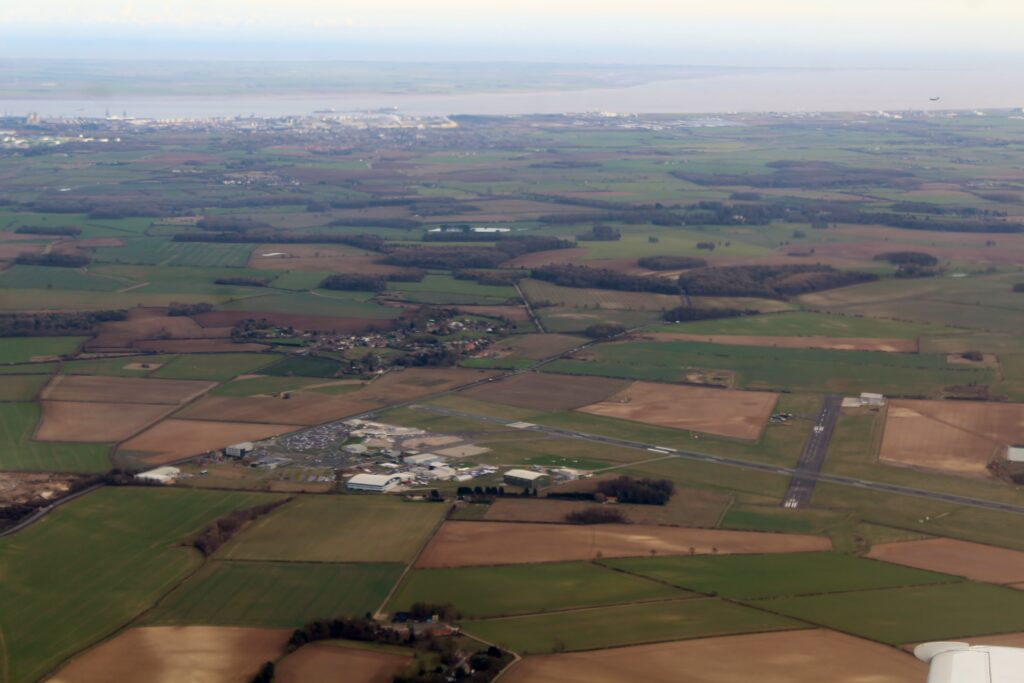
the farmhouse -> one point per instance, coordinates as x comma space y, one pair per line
239, 450
525, 478
161, 475
375, 483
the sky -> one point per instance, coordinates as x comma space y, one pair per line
739, 32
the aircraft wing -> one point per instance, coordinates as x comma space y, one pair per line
953, 662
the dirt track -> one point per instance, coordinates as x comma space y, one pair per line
959, 437
814, 656
970, 560
739, 414
172, 654
468, 544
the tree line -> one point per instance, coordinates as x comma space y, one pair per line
769, 282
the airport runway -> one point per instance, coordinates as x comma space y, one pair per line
841, 480
801, 487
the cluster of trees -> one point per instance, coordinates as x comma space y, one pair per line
604, 330
354, 282
600, 233
242, 281
491, 492
425, 611
569, 275
770, 282
221, 530
55, 324
707, 246
60, 231
438, 357
640, 491
252, 328
178, 309
685, 314
670, 262
361, 241
229, 224
491, 278
362, 629
53, 259
902, 258
597, 515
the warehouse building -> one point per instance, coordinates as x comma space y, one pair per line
1015, 453
160, 475
239, 450
375, 483
526, 479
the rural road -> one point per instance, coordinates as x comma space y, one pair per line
841, 480
801, 487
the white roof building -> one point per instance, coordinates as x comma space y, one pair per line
162, 475
376, 483
525, 478
1015, 453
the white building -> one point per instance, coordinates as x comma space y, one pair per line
161, 475
425, 459
1015, 453
375, 483
239, 450
524, 478
869, 399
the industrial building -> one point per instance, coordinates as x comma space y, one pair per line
1015, 453
239, 450
375, 483
161, 475
527, 479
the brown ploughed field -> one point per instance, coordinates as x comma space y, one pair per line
197, 346
174, 439
836, 343
959, 437
689, 507
96, 422
172, 654
467, 544
336, 664
961, 558
123, 389
547, 392
739, 414
814, 656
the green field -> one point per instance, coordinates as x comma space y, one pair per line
18, 451
276, 594
760, 576
93, 565
444, 289
21, 387
115, 367
338, 528
319, 303
255, 386
911, 615
29, 369
163, 252
213, 366
41, 277
24, 349
813, 370
304, 366
625, 625
804, 324
525, 588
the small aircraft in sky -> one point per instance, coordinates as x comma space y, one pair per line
934, 99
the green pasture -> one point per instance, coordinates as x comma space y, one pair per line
213, 366
304, 366
339, 528
158, 251
910, 615
95, 564
275, 594
21, 387
23, 349
804, 324
116, 367
622, 625
256, 386
525, 588
811, 370
759, 576
19, 452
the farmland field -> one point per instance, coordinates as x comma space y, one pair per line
173, 439
24, 349
625, 625
808, 656
21, 387
526, 588
971, 560
758, 576
466, 544
804, 324
326, 661
275, 594
123, 389
938, 612
214, 367
338, 529
95, 564
18, 452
